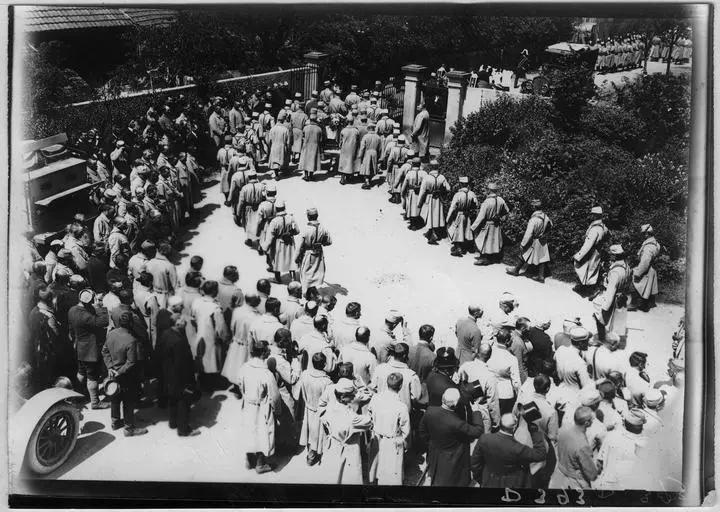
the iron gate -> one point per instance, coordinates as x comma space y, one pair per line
435, 95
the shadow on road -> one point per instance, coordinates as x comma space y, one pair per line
86, 447
209, 183
205, 412
333, 289
191, 228
91, 427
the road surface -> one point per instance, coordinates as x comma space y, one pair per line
374, 260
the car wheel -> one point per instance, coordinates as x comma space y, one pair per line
53, 438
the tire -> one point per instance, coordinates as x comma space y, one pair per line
53, 438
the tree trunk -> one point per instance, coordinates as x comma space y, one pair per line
673, 40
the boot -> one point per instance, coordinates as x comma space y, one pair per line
293, 275
580, 289
134, 431
514, 271
262, 466
278, 278
456, 250
343, 179
540, 277
95, 403
249, 460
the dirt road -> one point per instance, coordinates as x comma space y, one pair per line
374, 260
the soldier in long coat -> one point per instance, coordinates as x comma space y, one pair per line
369, 154
212, 332
311, 148
433, 190
240, 322
279, 242
396, 157
534, 243
266, 122
390, 433
611, 305
251, 195
260, 153
237, 182
310, 256
342, 459
280, 141
400, 172
655, 48
487, 226
224, 156
587, 260
298, 119
645, 279
410, 191
313, 382
266, 213
388, 142
260, 404
458, 218
421, 133
349, 145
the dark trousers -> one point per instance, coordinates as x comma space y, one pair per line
179, 412
506, 405
125, 399
541, 479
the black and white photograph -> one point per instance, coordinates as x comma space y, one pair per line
351, 254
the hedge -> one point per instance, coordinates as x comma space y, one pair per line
519, 145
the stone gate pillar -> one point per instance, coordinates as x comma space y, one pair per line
413, 73
312, 73
457, 86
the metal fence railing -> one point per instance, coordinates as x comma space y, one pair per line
103, 112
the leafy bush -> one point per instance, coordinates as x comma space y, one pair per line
662, 104
505, 123
614, 125
515, 144
572, 87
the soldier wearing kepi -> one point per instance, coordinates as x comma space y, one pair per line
310, 256
411, 192
279, 242
433, 189
266, 213
369, 154
645, 279
587, 260
349, 144
399, 178
251, 195
489, 238
611, 305
458, 218
312, 136
534, 243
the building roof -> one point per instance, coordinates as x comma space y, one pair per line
43, 18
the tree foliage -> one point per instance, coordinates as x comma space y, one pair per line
47, 82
